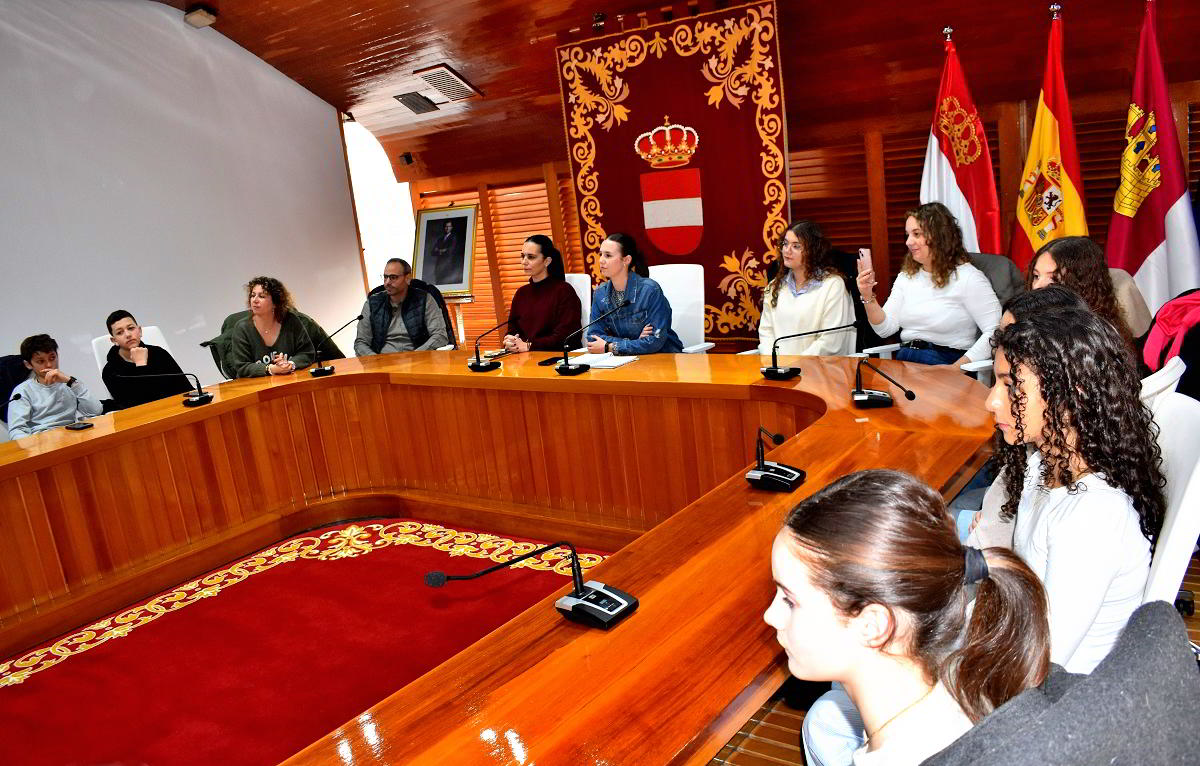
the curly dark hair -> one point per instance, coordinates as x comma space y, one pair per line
1080, 265
1087, 378
280, 296
944, 237
818, 258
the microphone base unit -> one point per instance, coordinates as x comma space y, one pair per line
601, 606
870, 399
320, 372
780, 373
195, 400
572, 369
485, 365
775, 477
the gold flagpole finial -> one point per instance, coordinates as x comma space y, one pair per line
947, 31
1055, 8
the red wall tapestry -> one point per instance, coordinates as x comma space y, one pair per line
677, 136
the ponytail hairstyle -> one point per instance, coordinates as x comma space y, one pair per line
818, 262
1089, 383
554, 269
629, 247
884, 537
1080, 265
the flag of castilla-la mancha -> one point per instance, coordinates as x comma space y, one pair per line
958, 166
1050, 200
1153, 234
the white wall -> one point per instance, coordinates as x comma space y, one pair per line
153, 167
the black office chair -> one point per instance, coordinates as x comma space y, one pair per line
12, 373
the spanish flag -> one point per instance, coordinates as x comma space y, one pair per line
1050, 200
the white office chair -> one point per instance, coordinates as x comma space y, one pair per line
683, 286
1157, 385
1178, 419
151, 336
582, 284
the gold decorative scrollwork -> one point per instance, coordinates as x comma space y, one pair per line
737, 58
346, 542
745, 277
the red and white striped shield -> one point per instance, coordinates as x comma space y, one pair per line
672, 209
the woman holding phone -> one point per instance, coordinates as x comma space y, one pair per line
943, 307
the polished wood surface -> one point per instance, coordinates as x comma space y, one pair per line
862, 62
92, 521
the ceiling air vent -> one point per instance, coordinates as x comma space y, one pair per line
417, 103
449, 83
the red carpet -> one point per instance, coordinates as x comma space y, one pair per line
254, 661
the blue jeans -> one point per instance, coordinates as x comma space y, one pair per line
927, 356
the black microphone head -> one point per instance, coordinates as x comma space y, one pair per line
435, 579
777, 438
909, 395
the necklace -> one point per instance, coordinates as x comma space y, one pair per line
903, 710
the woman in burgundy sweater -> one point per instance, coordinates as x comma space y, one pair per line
545, 311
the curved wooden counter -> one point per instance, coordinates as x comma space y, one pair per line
91, 521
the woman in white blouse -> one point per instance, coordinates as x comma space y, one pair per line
944, 308
807, 293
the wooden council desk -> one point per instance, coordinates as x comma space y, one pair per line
93, 521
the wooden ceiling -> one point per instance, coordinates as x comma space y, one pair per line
857, 62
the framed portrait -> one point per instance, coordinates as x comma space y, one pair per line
445, 246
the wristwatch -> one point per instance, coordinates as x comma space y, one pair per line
608, 347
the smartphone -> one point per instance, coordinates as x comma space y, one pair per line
81, 425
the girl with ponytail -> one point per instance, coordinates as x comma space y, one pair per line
872, 593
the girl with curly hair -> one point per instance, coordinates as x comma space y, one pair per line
943, 307
872, 587
271, 341
807, 293
1080, 472
1078, 263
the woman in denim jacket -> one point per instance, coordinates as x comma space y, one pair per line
643, 326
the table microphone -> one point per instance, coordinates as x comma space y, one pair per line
775, 372
866, 399
477, 364
192, 399
318, 371
769, 475
589, 603
565, 367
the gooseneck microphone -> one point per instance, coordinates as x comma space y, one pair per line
775, 372
479, 365
565, 367
318, 371
869, 398
589, 603
193, 399
769, 475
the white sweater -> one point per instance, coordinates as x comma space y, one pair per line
826, 306
1088, 550
960, 315
927, 728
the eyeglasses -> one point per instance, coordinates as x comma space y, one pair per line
392, 277
786, 245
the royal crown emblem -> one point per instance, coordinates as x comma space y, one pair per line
959, 126
1141, 172
1041, 197
667, 146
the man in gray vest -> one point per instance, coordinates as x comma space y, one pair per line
403, 317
